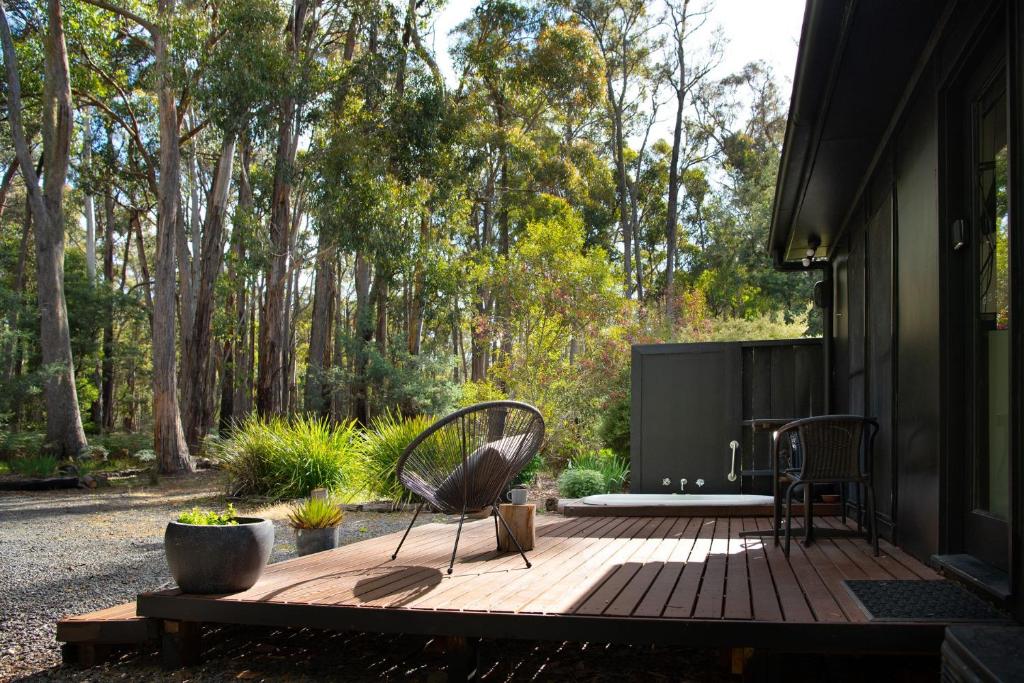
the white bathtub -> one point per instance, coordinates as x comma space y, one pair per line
677, 500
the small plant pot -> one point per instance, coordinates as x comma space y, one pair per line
218, 559
309, 541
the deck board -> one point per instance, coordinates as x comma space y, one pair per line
608, 576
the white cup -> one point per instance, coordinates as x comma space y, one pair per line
517, 496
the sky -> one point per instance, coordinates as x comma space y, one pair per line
768, 30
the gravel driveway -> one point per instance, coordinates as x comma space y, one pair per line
69, 552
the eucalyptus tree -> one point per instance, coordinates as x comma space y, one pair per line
157, 33
519, 72
46, 200
238, 82
686, 72
625, 34
376, 154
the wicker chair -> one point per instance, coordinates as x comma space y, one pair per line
824, 449
464, 462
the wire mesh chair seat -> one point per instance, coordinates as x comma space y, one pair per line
824, 449
463, 463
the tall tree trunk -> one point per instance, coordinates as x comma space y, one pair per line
89, 207
96, 409
671, 218
12, 356
196, 351
168, 435
271, 378
625, 224
414, 325
107, 382
381, 331
364, 336
315, 397
6, 182
140, 253
342, 332
241, 403
64, 431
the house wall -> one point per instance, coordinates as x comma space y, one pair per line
888, 307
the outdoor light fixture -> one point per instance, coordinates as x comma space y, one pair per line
813, 242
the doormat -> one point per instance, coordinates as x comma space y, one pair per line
921, 601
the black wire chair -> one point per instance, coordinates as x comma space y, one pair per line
464, 462
828, 450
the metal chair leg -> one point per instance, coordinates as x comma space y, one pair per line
789, 516
497, 538
776, 509
872, 522
458, 533
514, 539
808, 514
842, 502
860, 508
408, 529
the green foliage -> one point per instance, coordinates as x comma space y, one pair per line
528, 475
316, 513
386, 438
614, 469
577, 483
471, 393
209, 517
22, 444
124, 444
35, 466
284, 459
110, 465
615, 426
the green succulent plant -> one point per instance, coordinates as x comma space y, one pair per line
316, 513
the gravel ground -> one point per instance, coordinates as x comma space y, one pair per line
69, 552
76, 551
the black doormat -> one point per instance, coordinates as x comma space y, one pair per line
921, 601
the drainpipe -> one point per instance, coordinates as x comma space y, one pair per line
827, 312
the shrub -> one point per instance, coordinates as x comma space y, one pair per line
93, 452
34, 466
209, 517
125, 444
289, 458
528, 474
316, 513
24, 444
385, 440
577, 483
615, 427
146, 455
614, 469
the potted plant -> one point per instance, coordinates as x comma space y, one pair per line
212, 552
317, 523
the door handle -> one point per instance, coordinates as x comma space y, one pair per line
732, 471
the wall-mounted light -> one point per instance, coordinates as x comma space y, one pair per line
813, 242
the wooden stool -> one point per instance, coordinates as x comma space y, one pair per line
520, 520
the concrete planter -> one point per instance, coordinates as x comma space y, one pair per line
218, 559
309, 541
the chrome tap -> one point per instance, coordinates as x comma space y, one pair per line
700, 483
682, 485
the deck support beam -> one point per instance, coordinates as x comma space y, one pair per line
181, 644
85, 655
463, 656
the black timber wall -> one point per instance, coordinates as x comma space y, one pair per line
690, 400
889, 295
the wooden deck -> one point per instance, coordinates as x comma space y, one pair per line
682, 581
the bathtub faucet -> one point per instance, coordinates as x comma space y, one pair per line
682, 485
